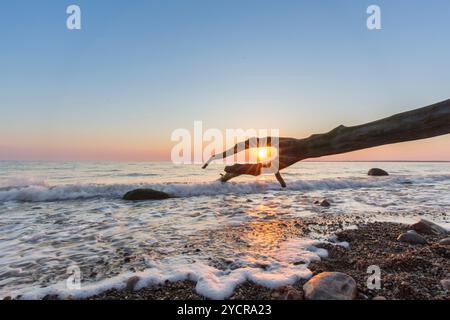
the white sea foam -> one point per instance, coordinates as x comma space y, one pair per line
285, 266
41, 192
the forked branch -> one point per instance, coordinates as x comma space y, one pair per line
426, 122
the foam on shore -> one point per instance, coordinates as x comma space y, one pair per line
285, 266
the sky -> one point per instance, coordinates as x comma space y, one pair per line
138, 70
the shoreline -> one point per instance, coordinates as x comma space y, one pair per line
409, 271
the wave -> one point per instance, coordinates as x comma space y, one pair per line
40, 192
139, 175
22, 182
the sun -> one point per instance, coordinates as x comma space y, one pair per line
263, 153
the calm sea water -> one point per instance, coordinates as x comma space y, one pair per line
57, 215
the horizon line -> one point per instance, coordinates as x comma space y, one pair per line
168, 161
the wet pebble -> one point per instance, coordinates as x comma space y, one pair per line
131, 283
286, 293
445, 242
445, 283
412, 238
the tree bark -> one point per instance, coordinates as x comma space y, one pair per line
427, 122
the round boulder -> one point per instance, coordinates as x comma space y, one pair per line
330, 286
145, 194
412, 238
377, 172
428, 227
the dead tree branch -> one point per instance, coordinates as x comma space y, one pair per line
427, 122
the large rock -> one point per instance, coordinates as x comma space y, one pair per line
145, 194
412, 238
330, 286
377, 172
428, 227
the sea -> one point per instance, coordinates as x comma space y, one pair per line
66, 231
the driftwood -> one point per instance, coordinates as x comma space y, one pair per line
422, 123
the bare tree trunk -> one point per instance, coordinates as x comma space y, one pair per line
422, 123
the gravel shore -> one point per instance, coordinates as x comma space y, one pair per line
408, 271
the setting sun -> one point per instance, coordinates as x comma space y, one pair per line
264, 153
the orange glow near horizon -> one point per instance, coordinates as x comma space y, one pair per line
434, 149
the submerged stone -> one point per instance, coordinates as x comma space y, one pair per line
145, 194
325, 203
377, 172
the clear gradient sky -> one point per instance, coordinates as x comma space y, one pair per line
138, 70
